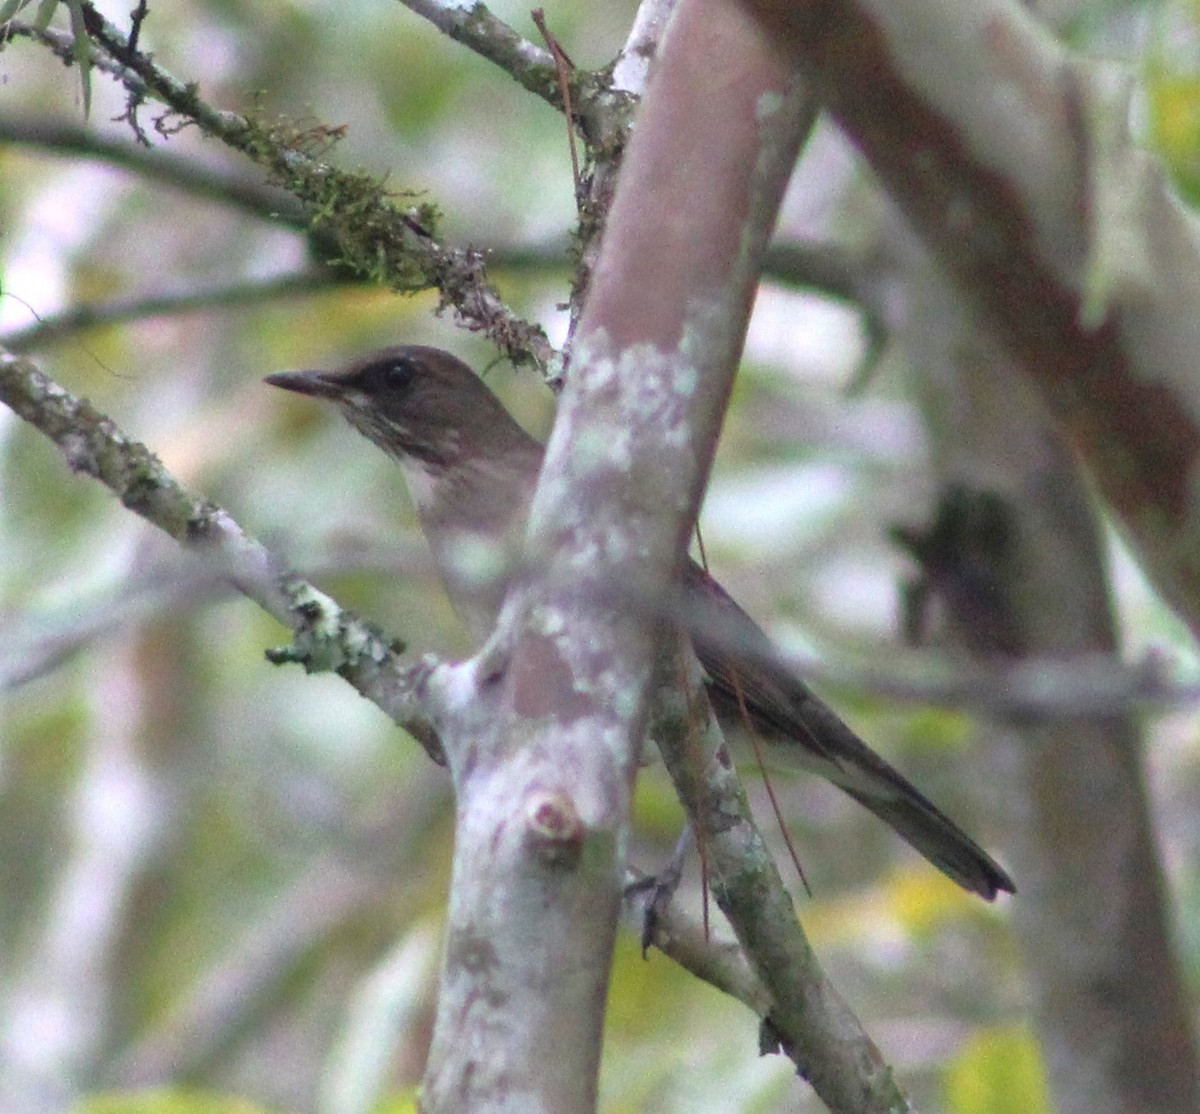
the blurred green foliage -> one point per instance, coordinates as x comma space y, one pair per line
1171, 79
231, 848
168, 1102
999, 1071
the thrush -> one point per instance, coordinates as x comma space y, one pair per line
471, 471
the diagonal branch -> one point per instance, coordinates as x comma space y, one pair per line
379, 235
481, 30
1055, 224
326, 637
543, 727
236, 295
155, 164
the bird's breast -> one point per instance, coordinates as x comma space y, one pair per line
475, 531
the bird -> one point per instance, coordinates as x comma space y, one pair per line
471, 471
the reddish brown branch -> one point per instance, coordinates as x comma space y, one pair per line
1064, 234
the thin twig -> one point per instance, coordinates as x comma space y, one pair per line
58, 326
326, 636
761, 760
136, 18
562, 66
720, 963
183, 172
390, 242
481, 30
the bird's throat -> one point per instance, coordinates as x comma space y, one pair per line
473, 514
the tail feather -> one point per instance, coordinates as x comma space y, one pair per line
801, 730
820, 741
878, 786
940, 840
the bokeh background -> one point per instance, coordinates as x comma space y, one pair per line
227, 878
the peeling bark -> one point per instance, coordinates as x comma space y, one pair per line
1016, 164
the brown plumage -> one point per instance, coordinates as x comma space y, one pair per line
472, 470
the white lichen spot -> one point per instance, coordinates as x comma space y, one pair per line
358, 642
651, 382
617, 546
676, 436
687, 378
624, 704
454, 686
595, 351
767, 106
324, 611
550, 621
479, 560
585, 552
597, 445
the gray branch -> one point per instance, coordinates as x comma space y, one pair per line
121, 311
326, 637
378, 235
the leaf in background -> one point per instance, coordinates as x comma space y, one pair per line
10, 8
403, 1103
1171, 81
998, 1071
168, 1101
1175, 125
83, 53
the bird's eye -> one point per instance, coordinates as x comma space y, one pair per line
397, 374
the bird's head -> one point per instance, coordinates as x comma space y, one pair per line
417, 403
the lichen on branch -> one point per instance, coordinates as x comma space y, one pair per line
387, 235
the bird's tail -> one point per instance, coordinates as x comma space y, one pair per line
940, 840
749, 689
856, 769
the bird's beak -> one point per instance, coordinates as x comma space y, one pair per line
319, 384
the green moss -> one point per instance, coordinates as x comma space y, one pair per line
377, 230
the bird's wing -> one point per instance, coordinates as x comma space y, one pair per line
748, 687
